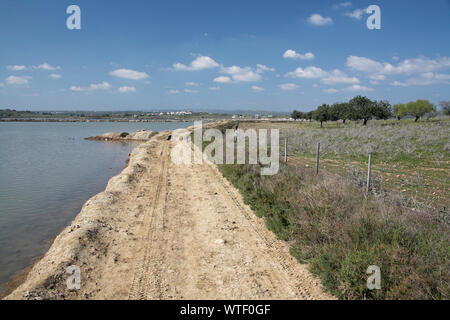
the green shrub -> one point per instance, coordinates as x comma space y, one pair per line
340, 232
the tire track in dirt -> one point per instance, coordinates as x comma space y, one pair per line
141, 282
294, 273
167, 231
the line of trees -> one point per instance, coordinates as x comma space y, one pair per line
359, 108
362, 108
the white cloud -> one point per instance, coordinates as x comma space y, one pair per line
231, 70
257, 89
94, 86
222, 79
129, 74
214, 88
192, 84
425, 79
173, 91
334, 77
288, 86
16, 68
291, 54
408, 66
363, 64
356, 14
75, 88
199, 63
342, 5
260, 68
245, 74
1, 84
420, 65
100, 86
190, 91
318, 20
46, 66
18, 80
438, 76
398, 84
337, 76
331, 90
55, 76
378, 77
357, 87
308, 73
127, 89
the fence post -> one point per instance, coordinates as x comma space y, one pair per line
285, 149
317, 158
369, 172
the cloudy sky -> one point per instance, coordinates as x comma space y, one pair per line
221, 55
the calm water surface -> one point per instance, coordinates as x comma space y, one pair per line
47, 172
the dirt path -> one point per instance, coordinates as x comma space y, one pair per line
167, 231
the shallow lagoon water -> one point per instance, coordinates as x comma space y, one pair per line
47, 172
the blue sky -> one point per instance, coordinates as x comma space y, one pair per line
220, 55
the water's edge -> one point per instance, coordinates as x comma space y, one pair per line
20, 276
28, 233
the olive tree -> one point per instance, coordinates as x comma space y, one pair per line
419, 108
382, 110
399, 110
297, 115
340, 111
322, 114
362, 109
445, 107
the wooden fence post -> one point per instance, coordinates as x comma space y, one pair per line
285, 149
317, 158
369, 172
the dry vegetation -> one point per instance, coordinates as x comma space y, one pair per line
340, 230
410, 160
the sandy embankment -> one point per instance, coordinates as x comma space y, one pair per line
167, 231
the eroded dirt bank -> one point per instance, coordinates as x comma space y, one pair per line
167, 231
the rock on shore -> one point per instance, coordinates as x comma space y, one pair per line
142, 135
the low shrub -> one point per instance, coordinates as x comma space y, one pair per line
340, 232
